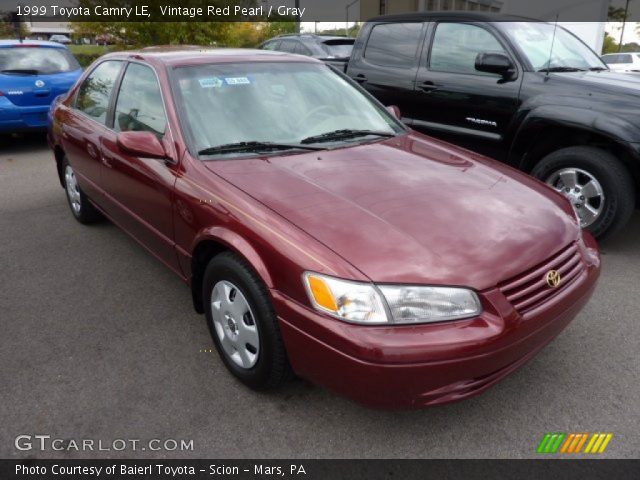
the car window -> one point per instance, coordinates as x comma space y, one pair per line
301, 49
393, 44
40, 60
271, 45
280, 102
338, 48
139, 106
287, 46
456, 46
95, 91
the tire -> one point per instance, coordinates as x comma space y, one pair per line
265, 365
81, 207
613, 182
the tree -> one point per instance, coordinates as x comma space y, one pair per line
610, 45
9, 29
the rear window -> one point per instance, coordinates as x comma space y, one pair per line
339, 48
617, 59
36, 60
394, 44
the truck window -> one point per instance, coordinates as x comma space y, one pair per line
456, 45
393, 44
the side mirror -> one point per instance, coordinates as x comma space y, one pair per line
141, 144
395, 111
495, 63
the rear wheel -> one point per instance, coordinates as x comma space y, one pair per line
81, 208
596, 183
243, 323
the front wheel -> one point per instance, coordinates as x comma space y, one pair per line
598, 186
243, 323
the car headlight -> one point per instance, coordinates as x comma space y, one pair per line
366, 303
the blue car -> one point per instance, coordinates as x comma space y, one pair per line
32, 74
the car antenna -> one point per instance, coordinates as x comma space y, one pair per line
553, 40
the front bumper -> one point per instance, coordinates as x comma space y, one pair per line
429, 364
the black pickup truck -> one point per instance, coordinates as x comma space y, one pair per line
528, 93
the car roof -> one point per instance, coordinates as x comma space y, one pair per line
461, 16
174, 56
39, 43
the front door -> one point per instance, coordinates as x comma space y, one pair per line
140, 190
455, 101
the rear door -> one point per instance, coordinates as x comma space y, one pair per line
84, 126
139, 191
387, 64
456, 102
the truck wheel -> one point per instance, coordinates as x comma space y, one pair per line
81, 208
243, 323
598, 186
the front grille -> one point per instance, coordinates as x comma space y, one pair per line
530, 289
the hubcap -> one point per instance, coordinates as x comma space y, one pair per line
73, 191
583, 191
235, 324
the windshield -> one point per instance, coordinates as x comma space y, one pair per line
339, 48
280, 103
38, 60
534, 40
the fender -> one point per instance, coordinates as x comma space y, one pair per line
615, 128
237, 243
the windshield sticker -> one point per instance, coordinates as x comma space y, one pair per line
210, 82
237, 81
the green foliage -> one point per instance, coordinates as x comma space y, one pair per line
609, 45
352, 32
8, 30
617, 14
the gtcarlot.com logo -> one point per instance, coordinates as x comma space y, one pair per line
47, 443
574, 443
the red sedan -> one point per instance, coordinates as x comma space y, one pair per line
318, 234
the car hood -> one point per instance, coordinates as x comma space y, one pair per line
412, 209
604, 81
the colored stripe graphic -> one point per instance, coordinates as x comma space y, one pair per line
556, 442
551, 442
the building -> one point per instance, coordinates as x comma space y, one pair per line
44, 30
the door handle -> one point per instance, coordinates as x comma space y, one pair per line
360, 78
428, 86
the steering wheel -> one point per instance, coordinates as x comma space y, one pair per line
324, 110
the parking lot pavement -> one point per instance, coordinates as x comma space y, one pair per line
100, 341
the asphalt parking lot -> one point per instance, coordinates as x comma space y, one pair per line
100, 341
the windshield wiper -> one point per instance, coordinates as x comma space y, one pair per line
22, 71
561, 69
343, 134
598, 69
253, 147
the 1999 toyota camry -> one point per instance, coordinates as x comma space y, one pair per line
319, 235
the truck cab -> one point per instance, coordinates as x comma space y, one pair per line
524, 92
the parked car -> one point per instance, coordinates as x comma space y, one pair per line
32, 74
317, 233
333, 50
499, 88
623, 62
60, 39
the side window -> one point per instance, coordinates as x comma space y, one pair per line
94, 94
139, 106
456, 45
271, 45
288, 46
301, 49
393, 44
